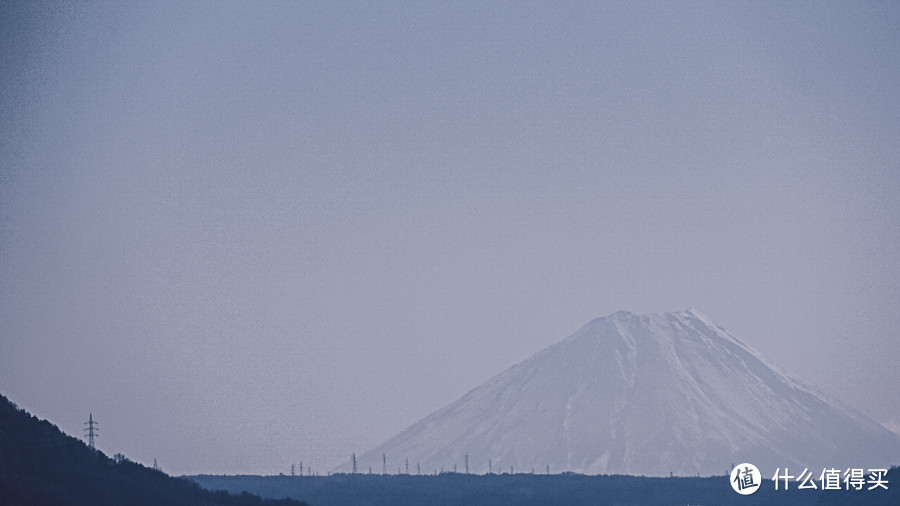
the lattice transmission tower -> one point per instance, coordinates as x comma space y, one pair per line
91, 430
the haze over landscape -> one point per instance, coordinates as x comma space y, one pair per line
643, 395
243, 235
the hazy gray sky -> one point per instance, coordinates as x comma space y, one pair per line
245, 234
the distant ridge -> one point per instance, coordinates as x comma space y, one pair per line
40, 465
525, 489
646, 395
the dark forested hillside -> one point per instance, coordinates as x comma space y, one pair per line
40, 465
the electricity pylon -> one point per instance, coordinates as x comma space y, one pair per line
91, 431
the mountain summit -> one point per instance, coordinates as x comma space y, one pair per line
647, 395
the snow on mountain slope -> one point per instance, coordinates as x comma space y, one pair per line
641, 394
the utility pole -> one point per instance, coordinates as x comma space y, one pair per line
301, 468
407, 466
467, 462
354, 463
490, 467
418, 469
383, 464
91, 431
292, 470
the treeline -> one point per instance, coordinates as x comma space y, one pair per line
40, 465
534, 490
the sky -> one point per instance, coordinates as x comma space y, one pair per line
244, 235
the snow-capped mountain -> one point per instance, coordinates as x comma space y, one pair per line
641, 394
